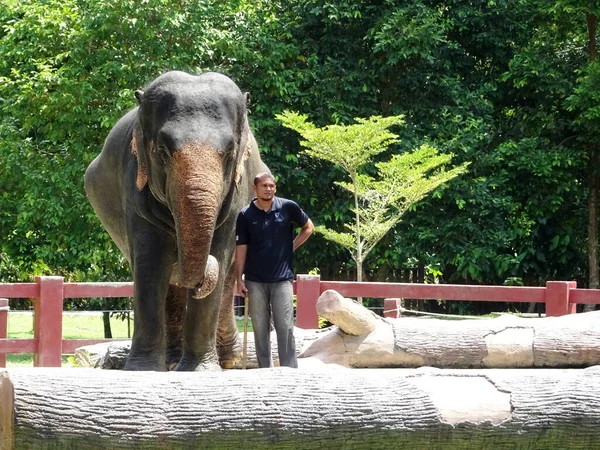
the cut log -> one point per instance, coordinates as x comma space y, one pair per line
112, 355
361, 339
7, 417
350, 316
108, 355
508, 341
286, 408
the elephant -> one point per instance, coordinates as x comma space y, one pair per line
167, 186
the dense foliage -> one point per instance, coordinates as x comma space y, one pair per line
506, 85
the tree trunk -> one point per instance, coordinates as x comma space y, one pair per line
106, 320
593, 218
113, 355
508, 341
362, 339
593, 183
592, 22
300, 409
359, 241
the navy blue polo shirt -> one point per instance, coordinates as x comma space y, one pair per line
269, 236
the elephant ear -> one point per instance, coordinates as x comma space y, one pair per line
137, 143
245, 146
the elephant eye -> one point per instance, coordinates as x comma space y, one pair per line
163, 152
227, 149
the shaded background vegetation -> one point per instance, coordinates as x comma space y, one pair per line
510, 86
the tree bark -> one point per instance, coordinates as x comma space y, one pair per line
593, 162
593, 183
286, 408
592, 24
508, 341
349, 315
361, 339
106, 321
113, 355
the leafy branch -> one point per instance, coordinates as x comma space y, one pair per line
380, 200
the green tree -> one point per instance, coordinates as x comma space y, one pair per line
379, 200
508, 85
442, 64
554, 96
68, 71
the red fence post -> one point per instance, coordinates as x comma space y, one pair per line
47, 322
3, 326
308, 290
391, 308
557, 298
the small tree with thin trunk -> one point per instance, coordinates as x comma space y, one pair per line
380, 201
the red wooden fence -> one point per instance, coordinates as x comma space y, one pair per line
48, 293
560, 297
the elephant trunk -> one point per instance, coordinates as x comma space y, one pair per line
195, 190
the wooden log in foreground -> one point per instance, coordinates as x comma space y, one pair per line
301, 409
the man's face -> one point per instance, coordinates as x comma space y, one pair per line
265, 189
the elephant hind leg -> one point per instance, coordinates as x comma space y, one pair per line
229, 346
175, 318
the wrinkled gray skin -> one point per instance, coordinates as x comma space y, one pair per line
168, 184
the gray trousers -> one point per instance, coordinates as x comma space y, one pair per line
273, 300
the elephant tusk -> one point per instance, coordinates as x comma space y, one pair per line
211, 275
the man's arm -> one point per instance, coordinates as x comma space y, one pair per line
240, 262
305, 232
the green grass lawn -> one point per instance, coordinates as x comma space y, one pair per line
75, 326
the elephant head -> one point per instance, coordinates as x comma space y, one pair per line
190, 141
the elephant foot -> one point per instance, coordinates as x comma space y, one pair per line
191, 364
173, 356
144, 364
227, 364
230, 354
202, 367
230, 361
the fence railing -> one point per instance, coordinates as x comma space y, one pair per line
48, 294
560, 297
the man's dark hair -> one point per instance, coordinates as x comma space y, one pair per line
262, 175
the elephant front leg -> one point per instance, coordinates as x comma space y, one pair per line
175, 313
199, 333
229, 345
152, 262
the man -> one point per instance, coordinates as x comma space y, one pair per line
264, 252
